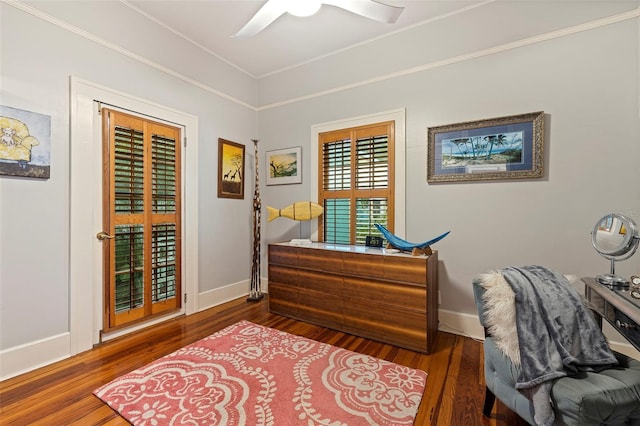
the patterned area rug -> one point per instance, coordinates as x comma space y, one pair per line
248, 374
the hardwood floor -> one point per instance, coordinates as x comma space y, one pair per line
61, 393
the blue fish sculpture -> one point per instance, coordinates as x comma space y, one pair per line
404, 245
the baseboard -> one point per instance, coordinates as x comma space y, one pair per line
30, 356
469, 326
618, 343
462, 324
24, 358
230, 292
625, 348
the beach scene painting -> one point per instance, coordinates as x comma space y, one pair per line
501, 148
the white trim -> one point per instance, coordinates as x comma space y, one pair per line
609, 20
469, 326
186, 38
466, 57
137, 327
227, 293
381, 37
85, 257
625, 348
613, 337
91, 37
398, 116
462, 324
23, 358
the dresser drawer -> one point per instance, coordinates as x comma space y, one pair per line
385, 293
389, 298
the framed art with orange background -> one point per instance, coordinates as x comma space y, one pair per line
230, 169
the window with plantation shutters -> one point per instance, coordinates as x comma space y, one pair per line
141, 211
356, 182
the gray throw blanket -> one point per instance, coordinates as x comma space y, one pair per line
557, 334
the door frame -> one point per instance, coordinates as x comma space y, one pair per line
85, 265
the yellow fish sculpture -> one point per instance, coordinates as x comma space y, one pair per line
300, 210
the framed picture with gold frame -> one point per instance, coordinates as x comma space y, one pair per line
498, 148
230, 169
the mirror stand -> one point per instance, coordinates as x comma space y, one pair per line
611, 279
615, 237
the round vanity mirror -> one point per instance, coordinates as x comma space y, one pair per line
616, 238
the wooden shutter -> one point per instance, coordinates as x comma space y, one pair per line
142, 211
356, 182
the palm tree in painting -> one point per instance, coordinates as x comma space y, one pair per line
461, 144
494, 140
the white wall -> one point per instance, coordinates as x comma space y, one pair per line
38, 57
464, 34
584, 78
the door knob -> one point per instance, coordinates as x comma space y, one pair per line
104, 236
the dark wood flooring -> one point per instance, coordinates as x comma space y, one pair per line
61, 393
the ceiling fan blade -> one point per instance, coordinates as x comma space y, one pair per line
269, 12
369, 8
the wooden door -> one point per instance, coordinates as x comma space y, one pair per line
141, 218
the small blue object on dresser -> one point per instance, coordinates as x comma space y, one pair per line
404, 245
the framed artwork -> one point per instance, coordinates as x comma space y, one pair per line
284, 166
230, 169
25, 146
497, 148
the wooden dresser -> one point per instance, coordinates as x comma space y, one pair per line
392, 298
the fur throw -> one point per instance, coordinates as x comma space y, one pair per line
500, 314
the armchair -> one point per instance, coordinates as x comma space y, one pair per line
16, 141
607, 397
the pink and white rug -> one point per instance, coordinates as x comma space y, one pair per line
248, 374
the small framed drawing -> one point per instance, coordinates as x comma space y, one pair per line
230, 169
497, 148
284, 166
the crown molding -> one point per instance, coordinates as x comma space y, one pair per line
467, 57
635, 13
91, 37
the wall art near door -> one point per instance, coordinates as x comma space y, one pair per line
230, 169
497, 148
284, 166
26, 143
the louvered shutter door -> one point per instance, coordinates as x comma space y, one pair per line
142, 209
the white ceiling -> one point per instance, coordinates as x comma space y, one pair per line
290, 40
